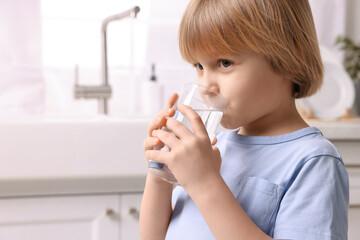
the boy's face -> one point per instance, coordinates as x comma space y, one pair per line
256, 95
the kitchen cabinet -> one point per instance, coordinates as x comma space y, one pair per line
354, 223
350, 152
354, 210
129, 212
92, 217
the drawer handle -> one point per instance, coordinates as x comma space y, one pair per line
134, 212
354, 206
352, 165
109, 212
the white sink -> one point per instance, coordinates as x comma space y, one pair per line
43, 148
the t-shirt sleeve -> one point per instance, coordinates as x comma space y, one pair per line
315, 206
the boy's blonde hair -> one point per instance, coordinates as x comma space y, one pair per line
282, 31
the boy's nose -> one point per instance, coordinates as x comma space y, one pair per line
209, 81
209, 91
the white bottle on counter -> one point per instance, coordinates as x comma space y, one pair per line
151, 95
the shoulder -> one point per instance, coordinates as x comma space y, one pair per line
320, 163
319, 159
316, 146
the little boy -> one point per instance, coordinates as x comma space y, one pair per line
275, 177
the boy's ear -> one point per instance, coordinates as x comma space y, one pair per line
296, 89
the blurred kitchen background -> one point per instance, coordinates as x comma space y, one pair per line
69, 172
44, 41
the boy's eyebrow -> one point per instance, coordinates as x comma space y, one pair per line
226, 58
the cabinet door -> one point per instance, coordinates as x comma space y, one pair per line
354, 210
354, 223
59, 218
130, 209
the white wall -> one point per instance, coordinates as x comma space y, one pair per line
330, 20
20, 57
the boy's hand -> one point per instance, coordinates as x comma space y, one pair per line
192, 158
150, 142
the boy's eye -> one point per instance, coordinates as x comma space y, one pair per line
225, 63
199, 66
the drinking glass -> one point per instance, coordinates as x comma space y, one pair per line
208, 104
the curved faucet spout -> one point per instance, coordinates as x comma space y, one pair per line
103, 91
132, 12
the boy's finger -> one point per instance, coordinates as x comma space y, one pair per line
195, 120
167, 138
172, 100
157, 156
160, 121
214, 141
178, 128
151, 142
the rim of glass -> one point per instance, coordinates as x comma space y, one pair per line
221, 97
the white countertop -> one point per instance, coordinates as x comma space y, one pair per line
338, 130
88, 175
52, 156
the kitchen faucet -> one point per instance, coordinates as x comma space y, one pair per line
103, 91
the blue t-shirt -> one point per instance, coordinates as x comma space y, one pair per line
292, 186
